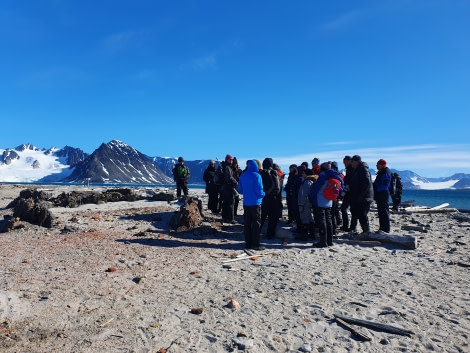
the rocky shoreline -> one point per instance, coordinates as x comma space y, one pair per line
115, 276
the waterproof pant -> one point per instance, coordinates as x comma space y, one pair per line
181, 186
270, 210
252, 218
381, 199
325, 226
360, 211
227, 204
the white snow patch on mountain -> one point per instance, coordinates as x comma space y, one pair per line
433, 186
21, 170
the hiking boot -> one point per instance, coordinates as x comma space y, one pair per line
319, 245
259, 248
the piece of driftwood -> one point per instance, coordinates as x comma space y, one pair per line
461, 218
410, 210
444, 205
357, 242
357, 332
246, 257
407, 241
417, 228
376, 325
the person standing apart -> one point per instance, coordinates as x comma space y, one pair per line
181, 176
381, 194
250, 185
362, 193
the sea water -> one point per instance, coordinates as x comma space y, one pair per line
459, 198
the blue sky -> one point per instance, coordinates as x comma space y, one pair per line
288, 80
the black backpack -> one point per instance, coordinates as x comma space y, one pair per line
219, 178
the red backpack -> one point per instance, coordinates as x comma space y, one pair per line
332, 190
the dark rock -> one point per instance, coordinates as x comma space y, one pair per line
189, 216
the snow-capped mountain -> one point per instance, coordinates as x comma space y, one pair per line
27, 163
117, 162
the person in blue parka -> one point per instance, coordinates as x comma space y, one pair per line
250, 186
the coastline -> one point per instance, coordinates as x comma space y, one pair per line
121, 280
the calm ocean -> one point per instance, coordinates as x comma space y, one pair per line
459, 199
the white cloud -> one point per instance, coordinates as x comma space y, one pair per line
437, 160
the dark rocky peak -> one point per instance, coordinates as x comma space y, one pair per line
26, 146
71, 154
8, 156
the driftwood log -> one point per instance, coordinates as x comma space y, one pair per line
357, 332
376, 325
407, 241
417, 228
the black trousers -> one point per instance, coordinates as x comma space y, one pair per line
270, 210
381, 199
181, 186
213, 192
325, 225
252, 227
360, 211
227, 203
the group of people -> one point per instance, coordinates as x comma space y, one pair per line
318, 197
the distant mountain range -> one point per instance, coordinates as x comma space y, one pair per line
118, 163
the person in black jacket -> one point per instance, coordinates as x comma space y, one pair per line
228, 190
362, 193
212, 188
396, 189
181, 176
289, 189
346, 197
270, 204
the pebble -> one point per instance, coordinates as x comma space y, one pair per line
243, 344
305, 348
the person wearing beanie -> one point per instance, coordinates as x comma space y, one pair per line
288, 188
250, 186
381, 194
346, 196
362, 192
305, 206
228, 190
270, 204
181, 176
316, 166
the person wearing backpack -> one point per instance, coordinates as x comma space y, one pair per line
250, 185
326, 189
181, 176
396, 189
381, 194
270, 204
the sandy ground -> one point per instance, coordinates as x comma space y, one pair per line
119, 281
